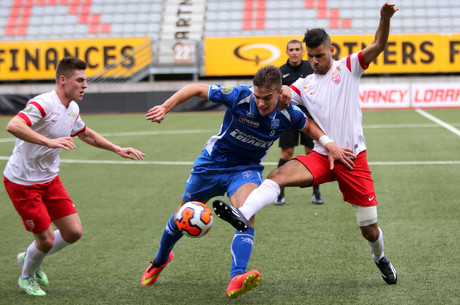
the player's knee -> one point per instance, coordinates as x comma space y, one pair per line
371, 232
73, 235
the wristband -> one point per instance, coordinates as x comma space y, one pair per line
323, 140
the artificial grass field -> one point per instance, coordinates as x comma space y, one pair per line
306, 254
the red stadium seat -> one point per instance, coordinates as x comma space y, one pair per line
95, 19
334, 23
309, 4
346, 23
10, 31
105, 28
22, 31
321, 14
83, 18
93, 29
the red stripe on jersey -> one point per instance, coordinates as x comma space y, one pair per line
74, 135
295, 89
25, 118
42, 111
349, 62
361, 60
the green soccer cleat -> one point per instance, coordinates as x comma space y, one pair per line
40, 275
30, 286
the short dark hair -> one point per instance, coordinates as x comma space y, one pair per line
67, 65
315, 37
293, 41
268, 77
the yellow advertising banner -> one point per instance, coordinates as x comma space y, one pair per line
30, 60
416, 53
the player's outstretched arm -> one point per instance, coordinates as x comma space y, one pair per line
381, 36
157, 113
18, 127
93, 138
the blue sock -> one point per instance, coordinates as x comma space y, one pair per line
241, 251
171, 235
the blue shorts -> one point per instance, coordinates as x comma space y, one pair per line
209, 178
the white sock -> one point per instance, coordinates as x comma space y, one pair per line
377, 247
32, 261
261, 197
59, 243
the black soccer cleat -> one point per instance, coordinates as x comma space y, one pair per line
316, 199
388, 271
230, 214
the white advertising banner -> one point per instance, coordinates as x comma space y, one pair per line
435, 95
416, 95
384, 95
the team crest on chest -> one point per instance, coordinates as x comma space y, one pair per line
275, 124
336, 78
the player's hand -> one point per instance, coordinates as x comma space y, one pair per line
341, 154
64, 143
284, 98
387, 11
156, 114
130, 153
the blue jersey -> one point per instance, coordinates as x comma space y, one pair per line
245, 136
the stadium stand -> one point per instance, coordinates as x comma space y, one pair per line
63, 19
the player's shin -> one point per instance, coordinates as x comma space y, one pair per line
261, 197
377, 247
171, 236
241, 251
33, 261
59, 243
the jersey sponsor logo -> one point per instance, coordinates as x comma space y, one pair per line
286, 75
275, 124
249, 139
27, 109
226, 89
249, 122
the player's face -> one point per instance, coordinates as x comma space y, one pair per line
75, 85
266, 100
295, 52
320, 58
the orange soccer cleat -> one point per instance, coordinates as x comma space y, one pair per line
242, 283
153, 271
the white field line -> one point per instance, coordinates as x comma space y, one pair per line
137, 162
438, 121
146, 133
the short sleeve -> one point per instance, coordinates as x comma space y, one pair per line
34, 111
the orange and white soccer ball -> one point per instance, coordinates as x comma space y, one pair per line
194, 219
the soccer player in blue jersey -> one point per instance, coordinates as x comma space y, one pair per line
231, 161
